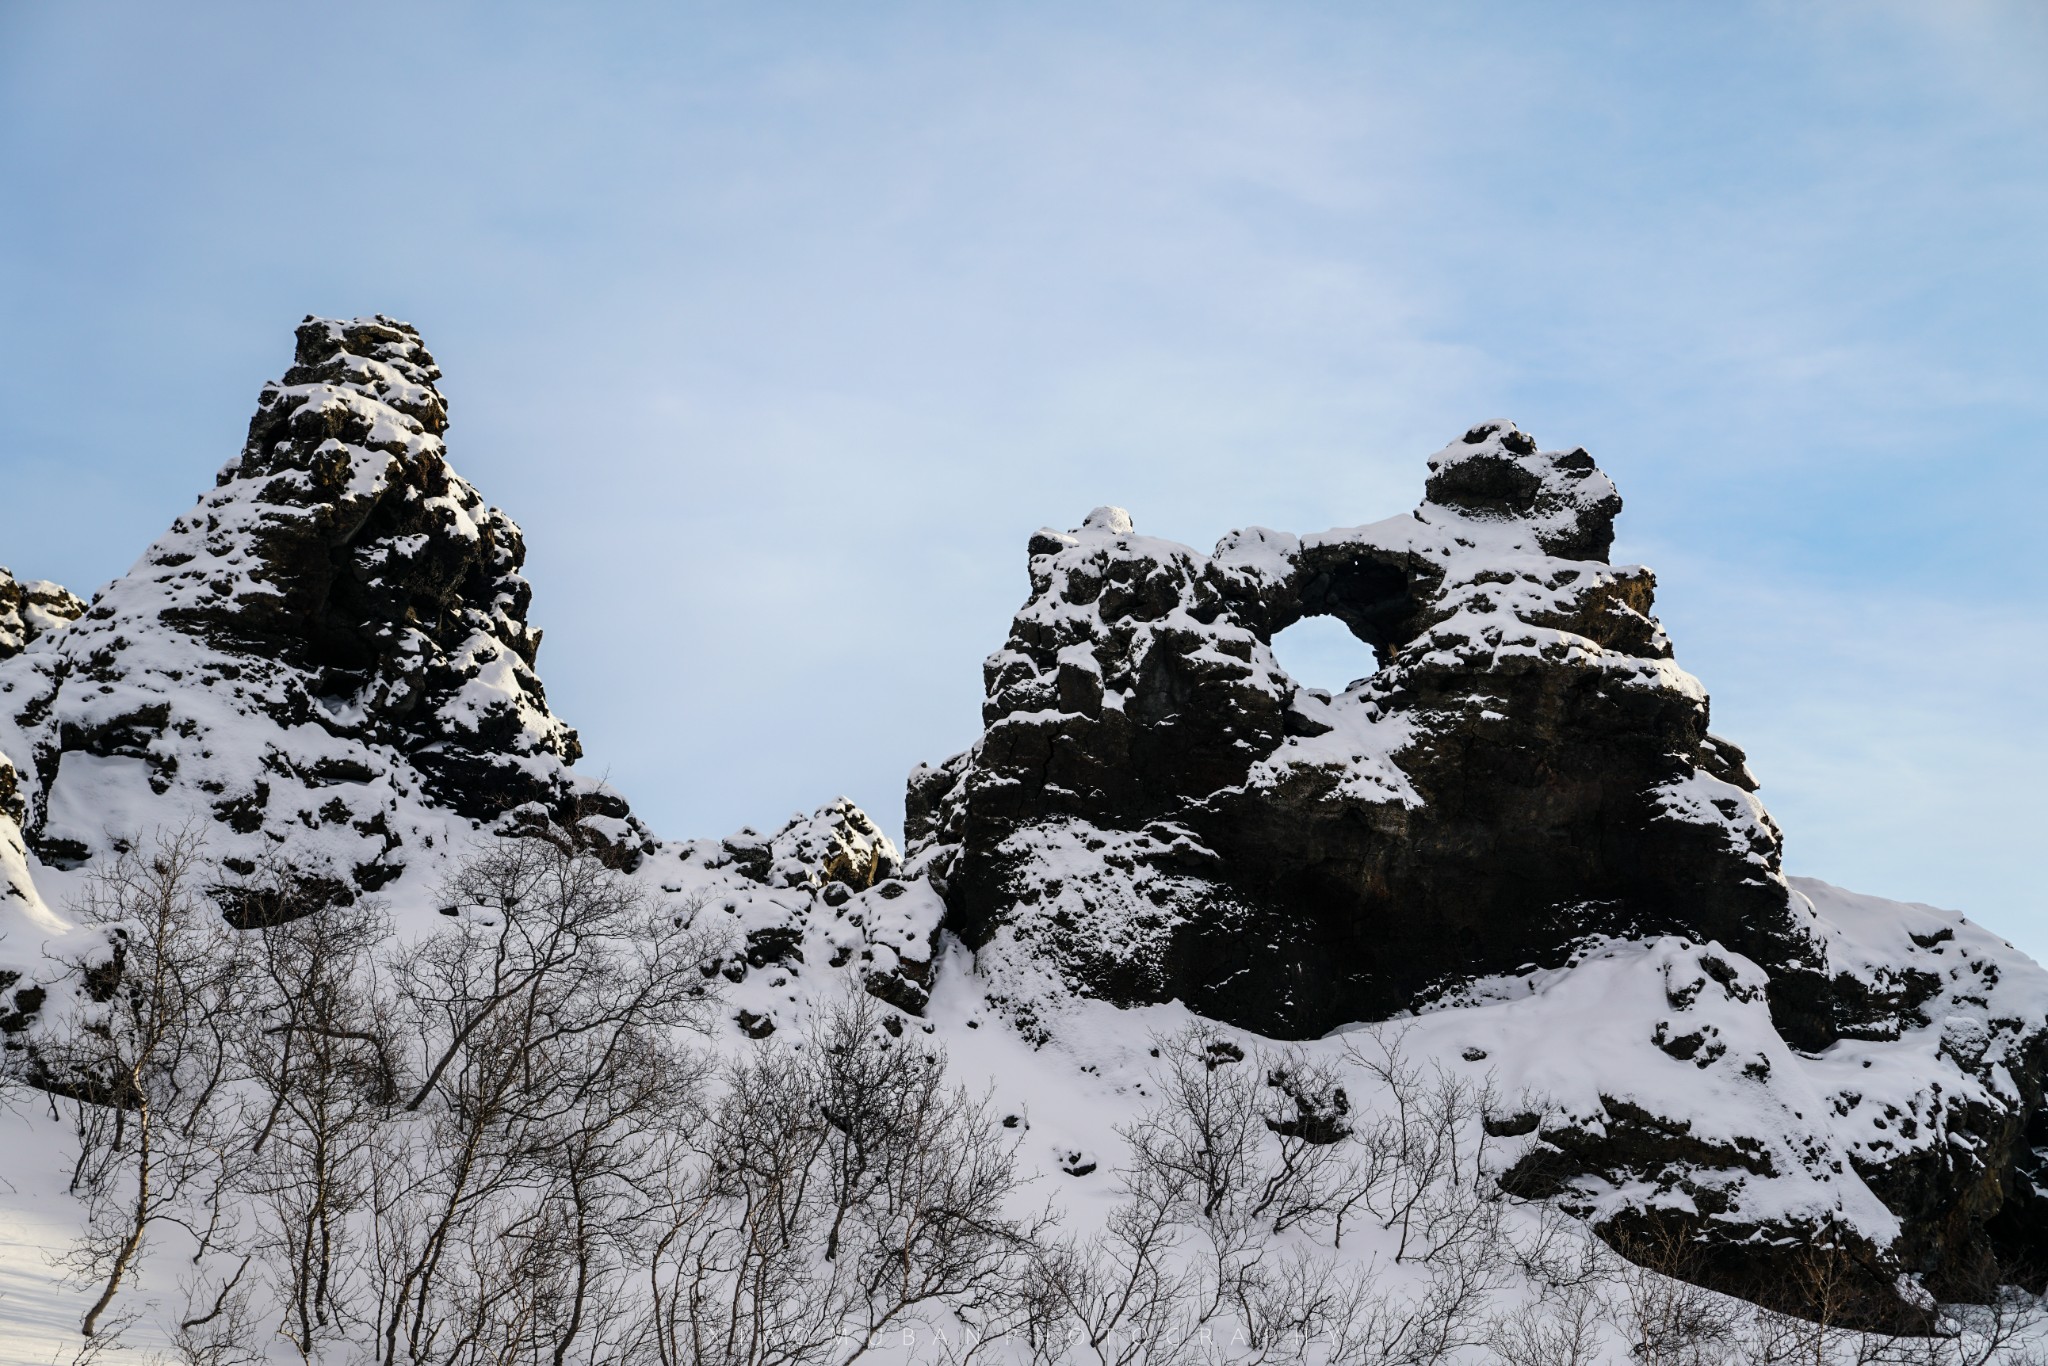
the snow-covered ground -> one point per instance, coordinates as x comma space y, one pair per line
1565, 1042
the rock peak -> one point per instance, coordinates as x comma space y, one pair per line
1495, 472
341, 614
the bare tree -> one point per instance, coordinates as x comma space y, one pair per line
1313, 1174
1204, 1136
219, 1327
731, 1276
845, 1192
148, 1060
318, 1042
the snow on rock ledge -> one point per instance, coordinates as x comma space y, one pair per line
31, 609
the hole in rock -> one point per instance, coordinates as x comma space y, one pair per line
1321, 652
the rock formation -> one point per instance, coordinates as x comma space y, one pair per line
1160, 810
331, 645
1518, 834
1156, 811
328, 664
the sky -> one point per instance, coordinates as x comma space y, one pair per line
780, 327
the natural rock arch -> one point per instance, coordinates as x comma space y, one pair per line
1160, 811
1373, 595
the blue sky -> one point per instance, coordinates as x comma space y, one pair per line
780, 327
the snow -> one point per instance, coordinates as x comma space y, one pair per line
1570, 1043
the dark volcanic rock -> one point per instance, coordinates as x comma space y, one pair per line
330, 645
1160, 808
360, 559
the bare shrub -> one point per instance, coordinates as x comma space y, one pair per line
2007, 1328
1425, 1175
1240, 1147
1121, 1298
549, 1066
846, 1191
1564, 1327
1664, 1315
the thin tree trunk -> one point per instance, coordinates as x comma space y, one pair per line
135, 1230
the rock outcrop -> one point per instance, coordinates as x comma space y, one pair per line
31, 609
817, 903
1161, 812
1156, 811
330, 652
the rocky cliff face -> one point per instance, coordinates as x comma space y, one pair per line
1156, 811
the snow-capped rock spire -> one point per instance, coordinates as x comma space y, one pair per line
335, 633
